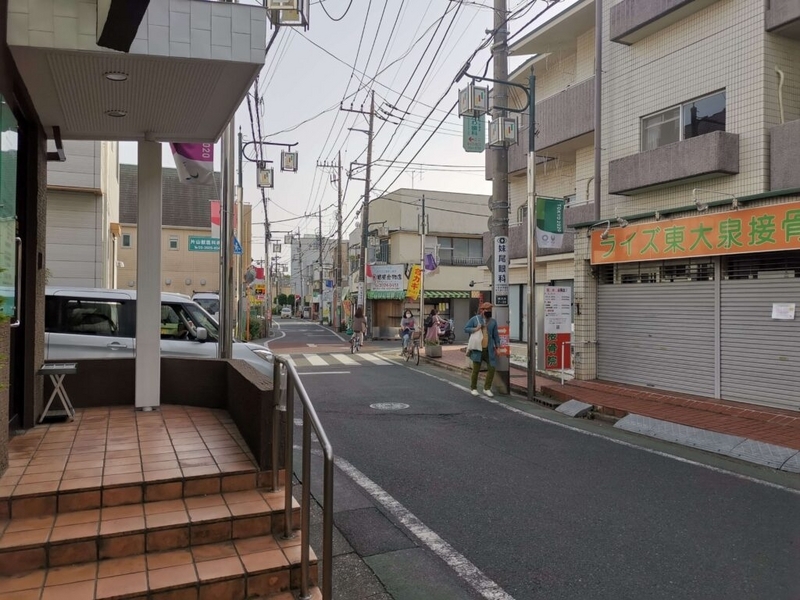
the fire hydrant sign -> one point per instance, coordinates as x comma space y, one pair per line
501, 271
557, 327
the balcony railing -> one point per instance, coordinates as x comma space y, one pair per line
471, 261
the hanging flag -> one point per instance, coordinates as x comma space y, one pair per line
215, 218
195, 163
414, 283
430, 263
549, 222
369, 271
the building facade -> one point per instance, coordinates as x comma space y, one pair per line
190, 256
689, 279
83, 234
454, 235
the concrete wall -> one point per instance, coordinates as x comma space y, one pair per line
785, 156
783, 15
82, 169
704, 156
633, 20
176, 265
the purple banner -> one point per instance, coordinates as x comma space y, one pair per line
195, 163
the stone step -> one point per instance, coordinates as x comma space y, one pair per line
70, 495
256, 567
28, 543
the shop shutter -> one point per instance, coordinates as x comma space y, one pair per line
658, 335
760, 356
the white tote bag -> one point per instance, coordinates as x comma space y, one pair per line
475, 341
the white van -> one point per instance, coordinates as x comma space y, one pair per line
85, 323
209, 301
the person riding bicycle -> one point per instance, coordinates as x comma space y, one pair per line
407, 327
359, 326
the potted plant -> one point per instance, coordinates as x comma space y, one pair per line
433, 349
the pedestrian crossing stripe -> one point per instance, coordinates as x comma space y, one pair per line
336, 360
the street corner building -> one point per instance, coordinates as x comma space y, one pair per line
682, 245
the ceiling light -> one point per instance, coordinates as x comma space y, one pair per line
116, 76
117, 113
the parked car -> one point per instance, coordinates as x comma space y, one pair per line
209, 301
84, 323
286, 312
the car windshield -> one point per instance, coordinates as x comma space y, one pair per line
180, 322
210, 305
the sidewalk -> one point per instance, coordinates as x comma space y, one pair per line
768, 425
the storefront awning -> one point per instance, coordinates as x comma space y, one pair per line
429, 295
438, 295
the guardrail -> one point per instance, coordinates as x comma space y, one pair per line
284, 402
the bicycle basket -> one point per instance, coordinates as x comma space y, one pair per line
416, 335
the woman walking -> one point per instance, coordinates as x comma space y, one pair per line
432, 323
484, 323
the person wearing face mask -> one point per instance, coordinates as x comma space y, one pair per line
407, 326
484, 322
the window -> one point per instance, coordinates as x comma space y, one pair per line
126, 240
173, 242
383, 254
688, 120
522, 214
84, 317
460, 251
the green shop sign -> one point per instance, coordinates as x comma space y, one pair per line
203, 244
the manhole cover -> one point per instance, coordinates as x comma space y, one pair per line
389, 406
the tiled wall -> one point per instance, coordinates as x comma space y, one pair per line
175, 28
720, 47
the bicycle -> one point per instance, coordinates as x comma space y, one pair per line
355, 343
412, 350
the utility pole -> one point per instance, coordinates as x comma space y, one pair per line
422, 230
499, 201
321, 270
225, 346
337, 300
362, 294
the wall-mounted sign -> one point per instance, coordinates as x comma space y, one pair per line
504, 332
203, 244
501, 271
763, 229
557, 327
289, 161
474, 133
783, 311
387, 278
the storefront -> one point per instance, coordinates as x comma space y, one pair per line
703, 305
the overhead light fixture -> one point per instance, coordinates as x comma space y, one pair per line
622, 222
116, 113
701, 206
604, 235
116, 76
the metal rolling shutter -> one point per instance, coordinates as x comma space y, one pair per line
658, 334
760, 356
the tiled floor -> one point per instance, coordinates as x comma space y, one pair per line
212, 567
116, 446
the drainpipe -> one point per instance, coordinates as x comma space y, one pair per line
781, 78
598, 91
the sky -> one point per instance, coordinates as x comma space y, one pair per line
409, 55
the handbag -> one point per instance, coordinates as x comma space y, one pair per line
475, 341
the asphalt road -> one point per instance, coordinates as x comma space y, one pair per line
542, 510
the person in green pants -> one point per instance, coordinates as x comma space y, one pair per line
484, 322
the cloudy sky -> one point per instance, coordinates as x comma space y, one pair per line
409, 55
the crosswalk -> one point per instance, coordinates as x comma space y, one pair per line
337, 360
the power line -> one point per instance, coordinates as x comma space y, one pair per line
346, 10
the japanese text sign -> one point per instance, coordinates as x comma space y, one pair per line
414, 283
501, 271
387, 278
762, 229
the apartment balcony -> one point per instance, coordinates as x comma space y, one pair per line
783, 17
785, 156
565, 121
183, 69
634, 20
701, 157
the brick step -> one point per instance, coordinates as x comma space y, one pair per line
256, 567
29, 543
70, 495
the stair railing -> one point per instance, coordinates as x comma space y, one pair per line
285, 371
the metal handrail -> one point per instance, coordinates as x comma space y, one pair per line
310, 419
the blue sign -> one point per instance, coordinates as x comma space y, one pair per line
237, 247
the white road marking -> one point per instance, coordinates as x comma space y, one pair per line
679, 459
282, 334
344, 359
324, 373
459, 563
311, 345
315, 360
376, 360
